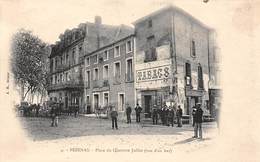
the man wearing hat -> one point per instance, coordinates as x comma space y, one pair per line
155, 114
198, 121
128, 113
194, 109
114, 115
179, 116
138, 111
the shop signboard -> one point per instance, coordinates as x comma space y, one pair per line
154, 74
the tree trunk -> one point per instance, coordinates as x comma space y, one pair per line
22, 93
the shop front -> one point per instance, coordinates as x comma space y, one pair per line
153, 82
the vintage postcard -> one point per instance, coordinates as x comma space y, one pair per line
120, 80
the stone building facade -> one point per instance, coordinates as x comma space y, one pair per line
66, 60
109, 76
172, 60
167, 58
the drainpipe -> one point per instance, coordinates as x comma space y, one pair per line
173, 55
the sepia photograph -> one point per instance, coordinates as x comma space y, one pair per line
117, 80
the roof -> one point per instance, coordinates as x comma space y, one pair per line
110, 33
175, 9
108, 45
107, 35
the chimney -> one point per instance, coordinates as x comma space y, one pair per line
98, 20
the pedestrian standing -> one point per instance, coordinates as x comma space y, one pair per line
166, 115
37, 110
163, 114
54, 115
171, 117
114, 116
76, 111
138, 111
193, 115
155, 114
198, 122
128, 113
179, 116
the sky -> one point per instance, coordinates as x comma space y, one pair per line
49, 18
233, 21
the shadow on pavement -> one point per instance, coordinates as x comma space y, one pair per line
190, 140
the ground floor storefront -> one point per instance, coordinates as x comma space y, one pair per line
69, 100
101, 99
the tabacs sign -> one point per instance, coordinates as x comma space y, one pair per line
152, 74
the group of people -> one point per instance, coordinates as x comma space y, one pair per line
167, 115
114, 115
31, 110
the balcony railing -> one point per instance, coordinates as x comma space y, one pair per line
105, 83
100, 83
96, 83
65, 85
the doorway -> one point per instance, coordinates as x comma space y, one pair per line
96, 101
147, 105
121, 102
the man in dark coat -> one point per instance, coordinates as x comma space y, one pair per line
54, 115
128, 113
193, 115
114, 116
166, 113
138, 111
171, 117
179, 116
155, 114
198, 121
37, 110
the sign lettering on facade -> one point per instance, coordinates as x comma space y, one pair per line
155, 73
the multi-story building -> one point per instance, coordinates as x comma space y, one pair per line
215, 70
167, 59
66, 59
109, 75
172, 60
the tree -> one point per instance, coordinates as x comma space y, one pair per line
28, 62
